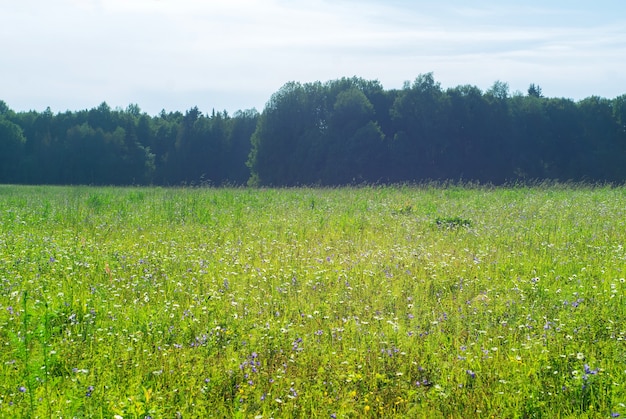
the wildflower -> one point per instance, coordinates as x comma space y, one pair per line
590, 371
22, 389
471, 373
296, 344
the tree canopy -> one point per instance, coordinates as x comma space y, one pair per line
345, 131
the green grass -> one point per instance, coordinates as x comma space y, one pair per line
358, 302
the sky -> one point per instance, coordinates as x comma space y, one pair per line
234, 54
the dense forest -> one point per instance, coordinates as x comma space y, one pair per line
346, 131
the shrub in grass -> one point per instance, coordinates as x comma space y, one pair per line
452, 222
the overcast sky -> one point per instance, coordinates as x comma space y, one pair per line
233, 54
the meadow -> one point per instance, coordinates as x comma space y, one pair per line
410, 301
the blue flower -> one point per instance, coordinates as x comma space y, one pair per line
588, 370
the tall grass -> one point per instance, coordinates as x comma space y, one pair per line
358, 302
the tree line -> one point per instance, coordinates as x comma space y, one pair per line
345, 131
104, 146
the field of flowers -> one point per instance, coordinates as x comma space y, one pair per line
421, 301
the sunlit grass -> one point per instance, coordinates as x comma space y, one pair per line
358, 302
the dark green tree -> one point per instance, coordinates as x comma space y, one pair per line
12, 142
356, 151
468, 128
420, 116
288, 144
534, 91
602, 157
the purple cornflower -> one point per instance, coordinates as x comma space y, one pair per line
589, 371
296, 344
